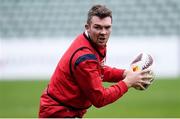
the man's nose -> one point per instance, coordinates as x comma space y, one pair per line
103, 31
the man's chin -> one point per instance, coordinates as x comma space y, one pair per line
102, 44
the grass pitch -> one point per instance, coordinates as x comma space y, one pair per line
162, 99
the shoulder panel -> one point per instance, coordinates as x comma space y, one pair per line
85, 57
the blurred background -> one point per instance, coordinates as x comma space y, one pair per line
34, 34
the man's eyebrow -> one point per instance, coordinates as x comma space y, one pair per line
97, 25
102, 25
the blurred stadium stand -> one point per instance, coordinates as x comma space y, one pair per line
59, 18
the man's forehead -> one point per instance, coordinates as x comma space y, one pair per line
107, 21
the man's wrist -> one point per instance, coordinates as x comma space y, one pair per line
124, 73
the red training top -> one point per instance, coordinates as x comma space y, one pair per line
77, 81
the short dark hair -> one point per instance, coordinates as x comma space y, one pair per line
100, 11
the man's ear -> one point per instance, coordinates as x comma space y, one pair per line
86, 26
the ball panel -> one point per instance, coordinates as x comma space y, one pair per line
148, 62
137, 59
141, 62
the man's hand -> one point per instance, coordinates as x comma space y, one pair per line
145, 86
138, 79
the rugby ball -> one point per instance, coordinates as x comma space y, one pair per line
141, 62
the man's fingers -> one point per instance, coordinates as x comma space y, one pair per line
145, 82
146, 71
147, 77
142, 87
151, 73
151, 80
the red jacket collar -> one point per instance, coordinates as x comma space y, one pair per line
99, 49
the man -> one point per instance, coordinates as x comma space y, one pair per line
77, 81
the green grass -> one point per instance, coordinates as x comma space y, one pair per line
20, 98
162, 99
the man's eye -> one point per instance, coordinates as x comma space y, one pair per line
97, 27
108, 27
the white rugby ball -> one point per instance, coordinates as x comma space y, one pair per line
141, 62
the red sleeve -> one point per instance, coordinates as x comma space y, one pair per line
90, 82
112, 74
